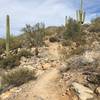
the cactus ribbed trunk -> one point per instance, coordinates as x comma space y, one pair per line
7, 34
65, 21
80, 14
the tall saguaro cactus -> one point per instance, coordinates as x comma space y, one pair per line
66, 21
80, 14
7, 34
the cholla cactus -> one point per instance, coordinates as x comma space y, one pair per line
7, 34
80, 14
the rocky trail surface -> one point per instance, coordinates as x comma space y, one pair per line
46, 87
57, 80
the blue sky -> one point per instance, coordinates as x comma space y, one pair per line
51, 12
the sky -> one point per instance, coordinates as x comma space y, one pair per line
51, 12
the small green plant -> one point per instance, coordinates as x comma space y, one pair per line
7, 34
17, 77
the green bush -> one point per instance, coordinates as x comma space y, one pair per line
65, 53
72, 29
15, 43
12, 61
9, 62
95, 25
24, 53
35, 34
17, 77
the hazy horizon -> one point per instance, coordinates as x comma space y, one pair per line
51, 12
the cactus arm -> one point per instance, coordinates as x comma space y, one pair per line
81, 5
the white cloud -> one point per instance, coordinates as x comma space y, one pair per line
52, 12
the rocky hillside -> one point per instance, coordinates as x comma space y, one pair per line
61, 68
77, 77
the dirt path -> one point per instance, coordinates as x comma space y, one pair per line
46, 87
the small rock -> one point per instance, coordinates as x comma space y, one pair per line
46, 66
23, 59
29, 67
19, 49
32, 50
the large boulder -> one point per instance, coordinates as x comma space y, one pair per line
83, 92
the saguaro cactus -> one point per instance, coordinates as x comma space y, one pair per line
80, 14
7, 34
66, 21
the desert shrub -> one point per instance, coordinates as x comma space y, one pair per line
78, 51
66, 43
17, 77
35, 34
95, 25
67, 53
24, 53
51, 30
9, 62
15, 43
85, 26
72, 29
12, 61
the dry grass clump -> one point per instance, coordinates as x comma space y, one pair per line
17, 77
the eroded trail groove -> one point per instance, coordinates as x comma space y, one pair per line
46, 87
